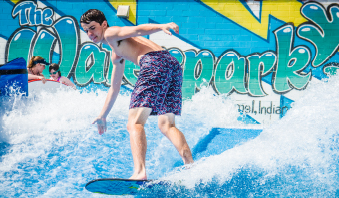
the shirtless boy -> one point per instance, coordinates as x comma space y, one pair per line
157, 90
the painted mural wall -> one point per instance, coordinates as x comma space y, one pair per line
262, 54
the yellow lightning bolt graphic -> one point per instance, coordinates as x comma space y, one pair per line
133, 8
15, 1
285, 10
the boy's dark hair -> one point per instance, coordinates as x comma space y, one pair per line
93, 15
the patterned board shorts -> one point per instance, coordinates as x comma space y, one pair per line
159, 84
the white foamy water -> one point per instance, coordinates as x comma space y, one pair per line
295, 156
54, 150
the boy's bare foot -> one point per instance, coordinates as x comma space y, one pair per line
139, 176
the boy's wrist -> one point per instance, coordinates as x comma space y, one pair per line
102, 117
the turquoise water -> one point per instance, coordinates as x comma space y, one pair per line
49, 148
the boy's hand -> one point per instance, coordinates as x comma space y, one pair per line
101, 123
167, 27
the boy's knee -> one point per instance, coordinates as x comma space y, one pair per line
163, 128
132, 127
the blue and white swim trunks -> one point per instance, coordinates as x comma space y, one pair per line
159, 84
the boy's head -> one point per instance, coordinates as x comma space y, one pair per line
94, 24
93, 15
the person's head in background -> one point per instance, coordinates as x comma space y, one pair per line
54, 71
37, 65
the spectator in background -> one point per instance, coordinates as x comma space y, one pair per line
55, 74
35, 68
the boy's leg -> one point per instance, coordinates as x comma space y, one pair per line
136, 120
166, 125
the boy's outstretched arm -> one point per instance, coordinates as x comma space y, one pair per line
113, 92
119, 33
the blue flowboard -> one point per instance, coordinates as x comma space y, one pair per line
117, 186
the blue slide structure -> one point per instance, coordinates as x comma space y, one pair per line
219, 140
14, 73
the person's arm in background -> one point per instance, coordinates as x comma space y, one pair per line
67, 82
33, 77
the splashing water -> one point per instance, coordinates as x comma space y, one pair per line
296, 156
49, 148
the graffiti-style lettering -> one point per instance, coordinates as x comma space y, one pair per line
259, 66
67, 30
27, 43
228, 61
19, 44
331, 69
230, 73
198, 71
30, 15
291, 62
90, 67
44, 45
322, 33
178, 54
